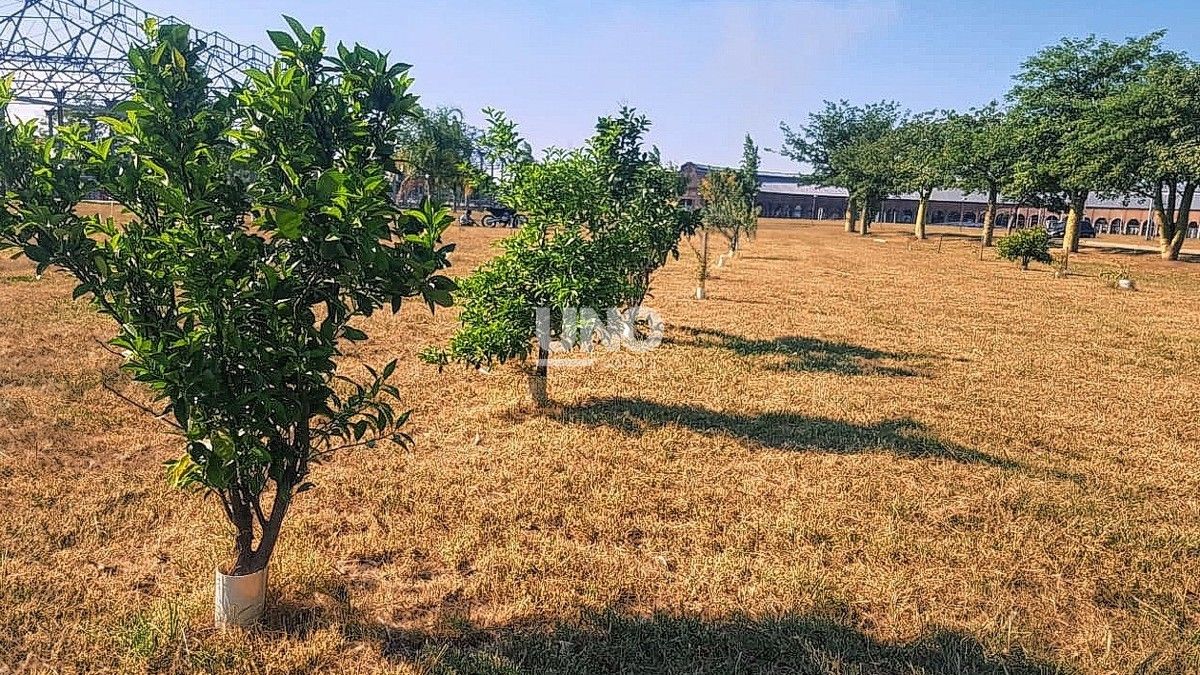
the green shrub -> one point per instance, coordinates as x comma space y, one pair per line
263, 232
1025, 246
602, 219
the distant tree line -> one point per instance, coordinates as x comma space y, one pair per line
1084, 117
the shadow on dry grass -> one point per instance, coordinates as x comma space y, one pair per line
787, 431
613, 642
1117, 249
667, 644
803, 353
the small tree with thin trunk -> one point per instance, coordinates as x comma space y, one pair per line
748, 185
262, 231
601, 220
725, 210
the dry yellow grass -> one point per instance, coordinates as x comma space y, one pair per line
858, 456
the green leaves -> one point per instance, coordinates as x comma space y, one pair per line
288, 222
282, 41
262, 231
848, 146
1059, 100
1025, 246
602, 219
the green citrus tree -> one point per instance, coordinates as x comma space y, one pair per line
262, 230
601, 220
748, 185
726, 210
1026, 246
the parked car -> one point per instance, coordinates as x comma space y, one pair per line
1058, 228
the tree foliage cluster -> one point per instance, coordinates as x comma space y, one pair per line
262, 230
1084, 117
601, 219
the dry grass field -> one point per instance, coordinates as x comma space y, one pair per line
859, 456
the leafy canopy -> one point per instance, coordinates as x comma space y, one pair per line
601, 219
849, 146
984, 146
1025, 246
1058, 103
923, 160
261, 229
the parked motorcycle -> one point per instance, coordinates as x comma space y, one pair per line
502, 216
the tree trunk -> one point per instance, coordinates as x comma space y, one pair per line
1173, 221
989, 218
922, 213
251, 559
866, 219
702, 291
537, 381
243, 543
1074, 216
851, 214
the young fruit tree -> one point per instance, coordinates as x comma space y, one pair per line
1026, 246
726, 209
261, 231
746, 177
601, 220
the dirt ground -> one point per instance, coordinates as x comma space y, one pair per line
858, 455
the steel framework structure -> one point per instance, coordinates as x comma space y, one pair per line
70, 54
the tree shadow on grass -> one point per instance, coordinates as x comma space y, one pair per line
805, 354
1117, 249
904, 437
614, 643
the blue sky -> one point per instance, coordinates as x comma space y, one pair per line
706, 72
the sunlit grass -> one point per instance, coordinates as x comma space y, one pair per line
857, 456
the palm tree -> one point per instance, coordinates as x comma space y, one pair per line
436, 149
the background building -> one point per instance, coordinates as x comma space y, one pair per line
781, 196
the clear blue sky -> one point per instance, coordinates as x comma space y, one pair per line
705, 72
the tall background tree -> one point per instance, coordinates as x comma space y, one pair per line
437, 152
984, 147
850, 147
1156, 122
1059, 101
923, 163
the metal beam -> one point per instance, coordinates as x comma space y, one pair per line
72, 53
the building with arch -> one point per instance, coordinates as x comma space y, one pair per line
781, 196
